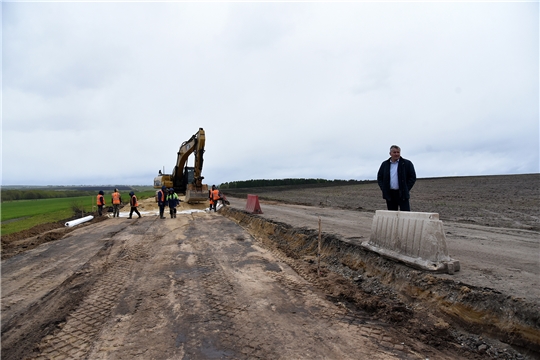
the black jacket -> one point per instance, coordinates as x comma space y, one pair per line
406, 178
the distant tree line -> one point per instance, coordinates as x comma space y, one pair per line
51, 192
281, 182
11, 195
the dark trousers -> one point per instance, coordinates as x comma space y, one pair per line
161, 210
100, 210
172, 211
396, 202
134, 209
215, 204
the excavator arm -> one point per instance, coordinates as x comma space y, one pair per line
187, 180
194, 145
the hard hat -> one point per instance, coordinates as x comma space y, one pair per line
131, 193
100, 192
163, 187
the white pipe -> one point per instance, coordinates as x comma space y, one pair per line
79, 221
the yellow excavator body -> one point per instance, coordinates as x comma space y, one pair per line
187, 180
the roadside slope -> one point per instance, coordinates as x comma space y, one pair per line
496, 293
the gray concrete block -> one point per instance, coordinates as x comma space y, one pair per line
414, 238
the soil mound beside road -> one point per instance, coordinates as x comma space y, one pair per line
491, 226
13, 244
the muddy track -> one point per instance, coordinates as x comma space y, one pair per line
195, 287
241, 286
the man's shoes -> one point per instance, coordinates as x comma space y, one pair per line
162, 217
129, 217
139, 216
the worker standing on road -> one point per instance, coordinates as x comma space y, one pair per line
172, 200
396, 177
215, 195
161, 198
116, 200
210, 198
100, 201
134, 203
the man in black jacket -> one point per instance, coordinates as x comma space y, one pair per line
396, 177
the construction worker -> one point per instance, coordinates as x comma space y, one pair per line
116, 200
210, 198
100, 201
134, 203
215, 195
172, 200
161, 198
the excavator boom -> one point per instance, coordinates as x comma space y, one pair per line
184, 179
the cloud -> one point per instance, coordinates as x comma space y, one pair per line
282, 89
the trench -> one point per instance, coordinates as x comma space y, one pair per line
436, 310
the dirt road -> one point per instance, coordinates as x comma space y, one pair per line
231, 285
195, 287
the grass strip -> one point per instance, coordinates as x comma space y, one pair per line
24, 214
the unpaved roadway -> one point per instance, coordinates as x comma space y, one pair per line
506, 259
195, 287
208, 286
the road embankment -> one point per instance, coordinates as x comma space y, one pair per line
424, 303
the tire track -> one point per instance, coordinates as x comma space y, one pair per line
82, 326
247, 331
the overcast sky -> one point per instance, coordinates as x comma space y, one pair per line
105, 93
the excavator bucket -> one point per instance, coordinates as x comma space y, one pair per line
196, 194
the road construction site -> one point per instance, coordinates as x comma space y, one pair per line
233, 284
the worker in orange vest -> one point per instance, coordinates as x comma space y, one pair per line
134, 203
161, 197
116, 200
210, 198
100, 201
215, 195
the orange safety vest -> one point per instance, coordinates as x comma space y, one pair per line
215, 194
100, 200
161, 198
134, 201
116, 198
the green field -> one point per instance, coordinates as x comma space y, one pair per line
23, 214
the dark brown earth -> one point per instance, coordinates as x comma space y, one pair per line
203, 286
507, 201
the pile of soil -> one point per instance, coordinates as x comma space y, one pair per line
15, 243
436, 310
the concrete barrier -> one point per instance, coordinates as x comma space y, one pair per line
415, 238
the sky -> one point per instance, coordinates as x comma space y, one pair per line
97, 93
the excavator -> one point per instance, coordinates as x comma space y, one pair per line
184, 179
